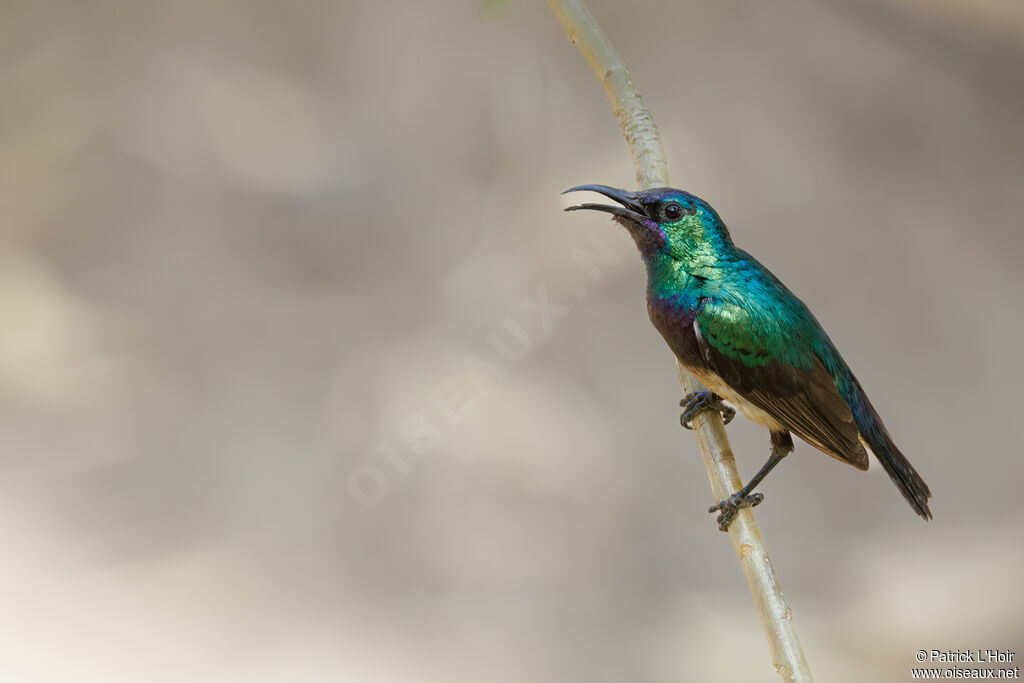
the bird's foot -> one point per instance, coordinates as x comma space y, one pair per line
733, 504
698, 401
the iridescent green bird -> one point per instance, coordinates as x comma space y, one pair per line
749, 339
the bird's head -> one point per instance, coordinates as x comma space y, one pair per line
665, 221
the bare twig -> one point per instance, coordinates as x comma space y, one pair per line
652, 171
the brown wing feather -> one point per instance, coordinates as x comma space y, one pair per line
805, 401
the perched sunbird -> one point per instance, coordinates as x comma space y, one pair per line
750, 340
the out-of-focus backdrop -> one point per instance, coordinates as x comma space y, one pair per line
286, 395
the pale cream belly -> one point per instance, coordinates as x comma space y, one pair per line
753, 413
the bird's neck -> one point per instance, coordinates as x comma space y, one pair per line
670, 284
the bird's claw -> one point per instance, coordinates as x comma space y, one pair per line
698, 401
733, 504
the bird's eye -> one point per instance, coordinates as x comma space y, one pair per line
672, 211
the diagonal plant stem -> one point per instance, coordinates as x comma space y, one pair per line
652, 171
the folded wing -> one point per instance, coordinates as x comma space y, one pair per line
778, 371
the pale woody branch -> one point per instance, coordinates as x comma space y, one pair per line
652, 171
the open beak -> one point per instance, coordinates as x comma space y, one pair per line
631, 208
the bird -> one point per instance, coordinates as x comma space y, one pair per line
747, 338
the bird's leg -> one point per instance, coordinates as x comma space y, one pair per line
782, 445
697, 401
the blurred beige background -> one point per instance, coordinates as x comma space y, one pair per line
252, 258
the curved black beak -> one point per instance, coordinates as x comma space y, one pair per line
631, 208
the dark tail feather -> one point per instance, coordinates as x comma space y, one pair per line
902, 473
896, 465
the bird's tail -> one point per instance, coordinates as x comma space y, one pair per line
895, 464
